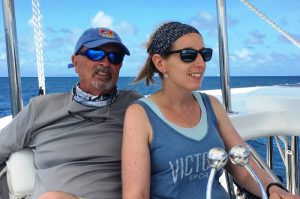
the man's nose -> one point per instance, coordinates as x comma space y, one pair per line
104, 61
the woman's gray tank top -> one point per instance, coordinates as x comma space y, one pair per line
179, 168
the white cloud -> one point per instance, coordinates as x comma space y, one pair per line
30, 21
206, 16
31, 24
102, 20
243, 54
205, 22
265, 59
126, 28
3, 57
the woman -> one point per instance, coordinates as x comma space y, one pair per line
168, 134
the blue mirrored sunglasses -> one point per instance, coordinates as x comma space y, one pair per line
190, 54
98, 55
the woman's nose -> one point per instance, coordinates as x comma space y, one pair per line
199, 58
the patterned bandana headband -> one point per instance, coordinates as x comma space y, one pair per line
167, 34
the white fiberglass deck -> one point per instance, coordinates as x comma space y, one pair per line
259, 111
264, 111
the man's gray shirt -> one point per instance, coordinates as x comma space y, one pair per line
71, 154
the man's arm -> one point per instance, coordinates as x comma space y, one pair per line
58, 195
16, 134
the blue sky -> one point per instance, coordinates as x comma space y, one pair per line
255, 48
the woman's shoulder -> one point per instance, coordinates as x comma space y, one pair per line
137, 105
214, 102
213, 99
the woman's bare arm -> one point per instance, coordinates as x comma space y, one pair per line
232, 138
135, 154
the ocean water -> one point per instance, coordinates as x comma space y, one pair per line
64, 84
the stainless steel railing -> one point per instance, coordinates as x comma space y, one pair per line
291, 161
223, 54
12, 56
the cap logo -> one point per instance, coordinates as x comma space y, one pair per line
106, 33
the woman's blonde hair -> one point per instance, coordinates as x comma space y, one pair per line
148, 70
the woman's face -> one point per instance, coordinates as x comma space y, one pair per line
187, 75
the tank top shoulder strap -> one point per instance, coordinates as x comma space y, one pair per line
146, 106
209, 109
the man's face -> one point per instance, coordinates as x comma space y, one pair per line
97, 77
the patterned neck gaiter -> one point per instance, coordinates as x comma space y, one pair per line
87, 99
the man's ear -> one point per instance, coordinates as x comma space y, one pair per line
159, 63
75, 62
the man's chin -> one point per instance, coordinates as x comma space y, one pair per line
101, 86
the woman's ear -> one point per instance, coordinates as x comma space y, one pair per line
159, 63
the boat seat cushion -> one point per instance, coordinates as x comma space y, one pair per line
20, 174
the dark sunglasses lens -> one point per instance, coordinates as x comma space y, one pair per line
95, 55
206, 54
115, 57
188, 55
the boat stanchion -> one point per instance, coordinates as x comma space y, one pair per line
217, 158
240, 155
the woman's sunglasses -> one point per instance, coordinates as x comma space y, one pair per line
98, 55
190, 54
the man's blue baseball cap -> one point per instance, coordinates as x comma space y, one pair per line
96, 37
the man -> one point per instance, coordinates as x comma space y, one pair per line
76, 137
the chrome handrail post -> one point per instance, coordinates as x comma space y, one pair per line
270, 152
294, 165
224, 72
288, 170
223, 55
12, 56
